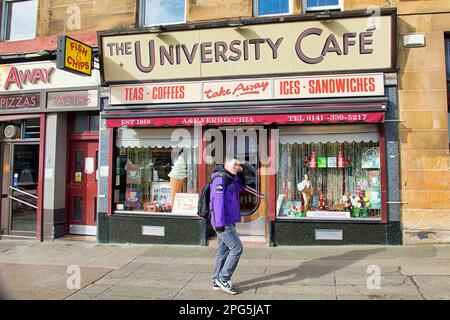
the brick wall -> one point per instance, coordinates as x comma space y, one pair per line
425, 160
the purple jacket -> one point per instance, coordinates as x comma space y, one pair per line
224, 199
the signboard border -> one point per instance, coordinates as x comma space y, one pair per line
392, 12
273, 91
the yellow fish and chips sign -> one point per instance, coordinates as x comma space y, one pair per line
74, 56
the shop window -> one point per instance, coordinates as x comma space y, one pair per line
19, 19
272, 7
162, 12
329, 176
83, 122
32, 128
322, 5
154, 174
21, 129
94, 122
78, 208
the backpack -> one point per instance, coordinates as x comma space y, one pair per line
205, 194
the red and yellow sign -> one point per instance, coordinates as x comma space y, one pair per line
307, 87
74, 56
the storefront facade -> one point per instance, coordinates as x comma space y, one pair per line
45, 115
295, 100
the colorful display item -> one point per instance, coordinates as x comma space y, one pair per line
313, 161
341, 160
332, 162
150, 207
371, 158
321, 162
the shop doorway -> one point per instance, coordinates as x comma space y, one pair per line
82, 187
20, 188
253, 209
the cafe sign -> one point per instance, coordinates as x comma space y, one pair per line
16, 102
329, 86
72, 100
335, 45
42, 75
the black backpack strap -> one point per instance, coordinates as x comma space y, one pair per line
226, 177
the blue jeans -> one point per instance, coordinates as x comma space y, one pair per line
229, 250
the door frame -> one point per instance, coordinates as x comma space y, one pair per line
10, 231
74, 138
262, 206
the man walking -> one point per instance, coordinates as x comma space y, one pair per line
225, 213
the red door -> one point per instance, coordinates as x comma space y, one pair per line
82, 188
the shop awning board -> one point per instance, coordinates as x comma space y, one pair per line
266, 119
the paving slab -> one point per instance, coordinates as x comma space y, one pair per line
153, 283
384, 290
209, 294
43, 281
434, 287
429, 270
139, 291
124, 271
293, 296
296, 289
390, 280
119, 257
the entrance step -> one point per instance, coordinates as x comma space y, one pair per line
247, 241
76, 237
12, 237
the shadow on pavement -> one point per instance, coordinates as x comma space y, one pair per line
315, 268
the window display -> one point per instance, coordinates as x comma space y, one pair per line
329, 180
147, 180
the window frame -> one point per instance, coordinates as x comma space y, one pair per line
306, 9
72, 122
5, 32
141, 16
256, 9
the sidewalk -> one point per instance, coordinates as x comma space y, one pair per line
34, 270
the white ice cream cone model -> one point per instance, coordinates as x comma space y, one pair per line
178, 177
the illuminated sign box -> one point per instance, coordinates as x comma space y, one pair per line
74, 56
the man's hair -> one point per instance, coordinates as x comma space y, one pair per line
230, 158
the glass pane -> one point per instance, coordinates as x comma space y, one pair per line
25, 184
322, 3
79, 163
32, 128
245, 148
78, 208
159, 12
23, 18
94, 123
81, 122
273, 7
